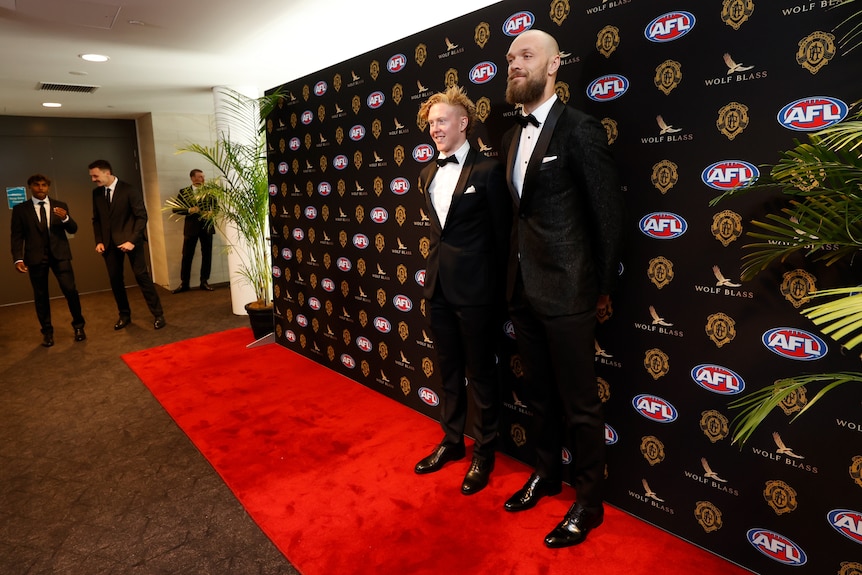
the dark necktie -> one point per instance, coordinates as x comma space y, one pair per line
524, 120
443, 161
43, 218
108, 194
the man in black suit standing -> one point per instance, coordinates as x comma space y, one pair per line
565, 253
465, 195
195, 228
39, 244
120, 230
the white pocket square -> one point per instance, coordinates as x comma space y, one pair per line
547, 159
470, 190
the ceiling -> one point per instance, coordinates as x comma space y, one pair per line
167, 55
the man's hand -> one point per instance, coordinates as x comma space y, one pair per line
21, 267
126, 246
100, 248
60, 212
194, 210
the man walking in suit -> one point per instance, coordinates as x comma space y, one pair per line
564, 256
39, 244
465, 195
195, 228
120, 230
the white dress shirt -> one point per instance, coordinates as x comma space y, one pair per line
527, 143
443, 185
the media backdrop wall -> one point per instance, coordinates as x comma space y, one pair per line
696, 97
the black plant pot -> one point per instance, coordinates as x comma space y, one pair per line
260, 318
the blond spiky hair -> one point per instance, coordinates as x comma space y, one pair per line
453, 96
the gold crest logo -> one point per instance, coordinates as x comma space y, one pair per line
605, 312
313, 281
307, 141
374, 69
483, 108
328, 307
346, 337
315, 325
376, 128
450, 78
336, 82
798, 286
366, 369
668, 75
309, 189
363, 319
518, 434
720, 328
562, 91
780, 496
403, 330
607, 40
383, 350
612, 129
815, 51
656, 363
398, 154
714, 425
726, 227
401, 273
299, 255
652, 449
400, 215
324, 163
732, 119
427, 367
359, 214
397, 93
282, 145
795, 401
289, 315
356, 104
379, 242
735, 13
516, 366
294, 166
377, 185
324, 211
559, 11
342, 187
357, 159
321, 112
708, 516
381, 297
360, 266
405, 385
339, 135
306, 92
665, 175
604, 389
273, 211
660, 271
342, 238
856, 469
850, 568
345, 288
481, 34
420, 54
424, 247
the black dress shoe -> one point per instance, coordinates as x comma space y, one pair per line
47, 340
477, 477
535, 488
122, 322
442, 455
206, 287
574, 527
159, 322
79, 334
181, 289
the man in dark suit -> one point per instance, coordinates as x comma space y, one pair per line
195, 228
39, 244
465, 195
120, 230
565, 253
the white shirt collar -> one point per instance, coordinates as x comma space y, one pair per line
541, 113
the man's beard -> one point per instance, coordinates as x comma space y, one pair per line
528, 92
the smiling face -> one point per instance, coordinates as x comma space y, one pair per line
533, 60
447, 126
101, 177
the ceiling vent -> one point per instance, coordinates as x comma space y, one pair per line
74, 88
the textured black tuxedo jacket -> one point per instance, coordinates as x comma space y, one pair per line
193, 224
28, 241
125, 220
567, 225
468, 255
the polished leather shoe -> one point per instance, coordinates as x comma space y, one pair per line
122, 322
159, 322
181, 289
574, 527
477, 477
535, 488
206, 287
442, 455
47, 340
79, 334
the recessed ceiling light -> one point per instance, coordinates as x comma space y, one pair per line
77, 73
137, 23
52, 104
93, 57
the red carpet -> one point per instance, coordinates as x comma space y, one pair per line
325, 466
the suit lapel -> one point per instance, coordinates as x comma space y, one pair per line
461, 186
425, 183
510, 164
541, 148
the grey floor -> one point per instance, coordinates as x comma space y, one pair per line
95, 477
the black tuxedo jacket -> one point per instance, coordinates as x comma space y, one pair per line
125, 220
468, 256
193, 225
28, 241
567, 225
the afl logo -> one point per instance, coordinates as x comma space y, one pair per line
812, 113
375, 99
287, 254
348, 361
364, 343
290, 336
847, 523
717, 379
306, 117
509, 329
343, 264
327, 284
360, 241
273, 189
320, 88
423, 153
402, 303
396, 63
276, 271
611, 435
298, 234
428, 396
669, 27
379, 215
310, 212
607, 88
294, 144
794, 344
729, 174
483, 72
324, 188
357, 132
419, 276
382, 324
777, 547
517, 23
339, 162
301, 320
663, 225
314, 303
399, 186
282, 167
654, 408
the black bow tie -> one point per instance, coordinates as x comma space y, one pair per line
524, 120
443, 161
